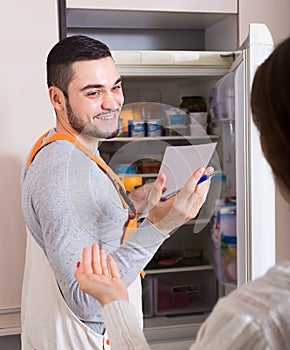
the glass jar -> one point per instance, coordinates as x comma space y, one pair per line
192, 104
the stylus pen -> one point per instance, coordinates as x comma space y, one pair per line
170, 195
206, 177
202, 179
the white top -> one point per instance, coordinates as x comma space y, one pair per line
255, 316
47, 323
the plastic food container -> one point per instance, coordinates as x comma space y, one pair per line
191, 292
224, 244
137, 128
154, 128
174, 118
198, 117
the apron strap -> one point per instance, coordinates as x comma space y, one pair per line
102, 165
36, 149
131, 224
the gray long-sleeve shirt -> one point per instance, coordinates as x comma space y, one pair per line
69, 203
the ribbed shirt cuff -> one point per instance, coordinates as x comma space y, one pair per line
122, 326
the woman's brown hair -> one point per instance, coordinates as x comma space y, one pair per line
270, 101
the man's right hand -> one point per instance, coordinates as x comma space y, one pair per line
176, 211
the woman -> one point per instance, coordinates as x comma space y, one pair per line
256, 315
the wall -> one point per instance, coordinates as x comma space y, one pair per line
28, 29
275, 14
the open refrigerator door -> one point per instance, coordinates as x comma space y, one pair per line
242, 241
255, 183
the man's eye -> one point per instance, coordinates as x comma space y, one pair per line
94, 93
117, 87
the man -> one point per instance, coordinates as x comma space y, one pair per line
71, 199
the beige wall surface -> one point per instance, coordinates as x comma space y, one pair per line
28, 29
275, 14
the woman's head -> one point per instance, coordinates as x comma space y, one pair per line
270, 102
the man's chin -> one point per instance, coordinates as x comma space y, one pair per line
114, 134
99, 134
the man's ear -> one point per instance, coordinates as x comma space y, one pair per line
57, 98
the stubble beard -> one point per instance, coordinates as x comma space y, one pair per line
89, 129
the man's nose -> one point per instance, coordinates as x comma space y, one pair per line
112, 101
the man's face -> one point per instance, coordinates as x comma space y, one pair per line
95, 98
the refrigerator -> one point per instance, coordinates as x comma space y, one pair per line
223, 79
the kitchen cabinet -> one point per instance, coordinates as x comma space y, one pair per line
194, 25
198, 6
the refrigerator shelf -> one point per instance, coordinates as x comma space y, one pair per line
188, 137
178, 269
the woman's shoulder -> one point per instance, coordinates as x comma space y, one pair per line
256, 311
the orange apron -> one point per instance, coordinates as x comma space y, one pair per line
43, 306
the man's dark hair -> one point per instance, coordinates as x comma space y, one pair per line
66, 52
